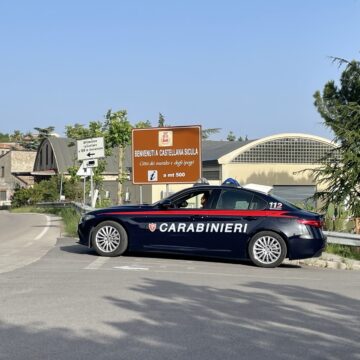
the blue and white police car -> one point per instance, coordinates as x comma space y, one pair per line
223, 221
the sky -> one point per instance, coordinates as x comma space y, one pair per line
250, 67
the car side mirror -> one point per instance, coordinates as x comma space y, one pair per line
166, 204
184, 204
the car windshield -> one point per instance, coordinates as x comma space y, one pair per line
170, 196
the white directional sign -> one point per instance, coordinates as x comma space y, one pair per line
90, 148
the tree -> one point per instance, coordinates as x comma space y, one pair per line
118, 134
161, 122
206, 133
231, 136
29, 141
4, 137
44, 133
240, 138
339, 106
143, 124
45, 190
16, 136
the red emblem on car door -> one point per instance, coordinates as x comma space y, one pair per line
152, 227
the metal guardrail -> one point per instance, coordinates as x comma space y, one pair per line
342, 238
79, 207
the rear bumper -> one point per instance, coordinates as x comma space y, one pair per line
300, 248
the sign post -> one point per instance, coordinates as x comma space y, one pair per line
91, 187
83, 172
166, 155
84, 198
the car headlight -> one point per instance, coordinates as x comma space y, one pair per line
86, 217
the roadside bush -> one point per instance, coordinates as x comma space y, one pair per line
20, 197
74, 190
47, 191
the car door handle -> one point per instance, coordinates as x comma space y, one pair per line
249, 218
198, 217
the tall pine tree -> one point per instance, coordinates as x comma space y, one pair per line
339, 106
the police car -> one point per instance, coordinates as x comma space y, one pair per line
222, 221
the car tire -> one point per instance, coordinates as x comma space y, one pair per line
267, 249
109, 238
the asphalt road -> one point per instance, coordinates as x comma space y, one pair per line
65, 302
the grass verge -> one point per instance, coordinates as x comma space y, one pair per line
350, 252
69, 216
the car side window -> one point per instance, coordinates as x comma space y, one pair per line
257, 203
234, 199
193, 200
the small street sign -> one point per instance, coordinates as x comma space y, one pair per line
83, 172
90, 148
91, 163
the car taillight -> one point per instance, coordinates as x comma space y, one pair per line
315, 223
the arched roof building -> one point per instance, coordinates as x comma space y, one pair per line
281, 149
278, 161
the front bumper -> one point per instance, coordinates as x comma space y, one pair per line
84, 233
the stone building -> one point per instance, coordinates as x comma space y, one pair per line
15, 170
7, 146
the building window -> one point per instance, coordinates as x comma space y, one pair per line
2, 171
52, 157
211, 174
3, 196
47, 155
41, 158
287, 151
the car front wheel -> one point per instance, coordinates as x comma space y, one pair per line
267, 249
109, 239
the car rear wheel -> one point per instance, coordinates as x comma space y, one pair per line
267, 249
109, 239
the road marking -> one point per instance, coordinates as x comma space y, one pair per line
47, 227
16, 257
98, 263
131, 268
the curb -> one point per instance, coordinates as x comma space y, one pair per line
329, 261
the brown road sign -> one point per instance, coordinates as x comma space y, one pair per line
166, 155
